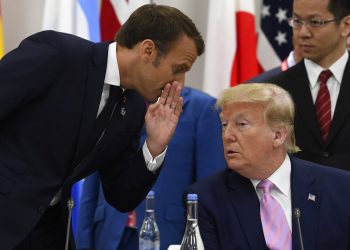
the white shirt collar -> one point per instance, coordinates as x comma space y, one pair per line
112, 76
291, 60
337, 69
281, 177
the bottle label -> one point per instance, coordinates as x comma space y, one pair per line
148, 245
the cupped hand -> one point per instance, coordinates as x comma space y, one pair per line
162, 117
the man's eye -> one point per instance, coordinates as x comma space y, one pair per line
242, 124
315, 22
177, 71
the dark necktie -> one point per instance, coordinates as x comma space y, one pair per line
105, 116
323, 105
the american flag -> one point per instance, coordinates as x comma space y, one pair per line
275, 38
311, 197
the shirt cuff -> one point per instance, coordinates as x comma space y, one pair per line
153, 164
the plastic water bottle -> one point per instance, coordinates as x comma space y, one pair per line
192, 239
149, 238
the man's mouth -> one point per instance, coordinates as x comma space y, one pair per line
231, 152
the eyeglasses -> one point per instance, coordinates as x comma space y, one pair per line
296, 23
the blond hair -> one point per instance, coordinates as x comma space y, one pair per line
279, 106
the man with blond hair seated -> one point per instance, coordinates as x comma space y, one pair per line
252, 203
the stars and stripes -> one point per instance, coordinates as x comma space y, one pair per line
275, 36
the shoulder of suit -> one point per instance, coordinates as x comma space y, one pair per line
214, 179
76, 49
287, 76
321, 170
196, 96
265, 76
60, 39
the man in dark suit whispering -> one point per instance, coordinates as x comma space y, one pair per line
250, 204
69, 107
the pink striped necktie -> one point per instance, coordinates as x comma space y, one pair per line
323, 104
274, 222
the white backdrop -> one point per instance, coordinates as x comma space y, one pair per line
22, 18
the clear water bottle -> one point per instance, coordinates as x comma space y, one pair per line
192, 239
149, 238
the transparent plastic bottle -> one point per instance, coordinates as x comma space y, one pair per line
192, 239
149, 238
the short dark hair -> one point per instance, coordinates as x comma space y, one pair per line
339, 8
162, 24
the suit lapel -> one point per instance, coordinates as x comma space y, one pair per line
342, 108
300, 91
247, 207
305, 196
93, 91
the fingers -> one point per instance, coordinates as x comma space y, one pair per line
170, 94
174, 94
165, 94
174, 101
170, 99
178, 109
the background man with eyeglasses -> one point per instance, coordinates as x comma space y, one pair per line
322, 122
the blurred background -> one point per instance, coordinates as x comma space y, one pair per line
236, 46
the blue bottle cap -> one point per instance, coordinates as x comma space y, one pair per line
150, 194
192, 197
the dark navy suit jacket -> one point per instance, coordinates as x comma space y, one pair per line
50, 90
229, 216
194, 152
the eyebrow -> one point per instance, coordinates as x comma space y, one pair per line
309, 17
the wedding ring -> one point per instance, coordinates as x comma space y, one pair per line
173, 106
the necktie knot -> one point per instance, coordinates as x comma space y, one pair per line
265, 185
324, 76
115, 92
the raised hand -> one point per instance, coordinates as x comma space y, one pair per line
162, 117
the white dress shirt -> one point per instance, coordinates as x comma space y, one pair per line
313, 71
282, 191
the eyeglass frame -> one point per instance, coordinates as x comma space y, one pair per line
309, 23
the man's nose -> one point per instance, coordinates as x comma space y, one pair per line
228, 134
304, 30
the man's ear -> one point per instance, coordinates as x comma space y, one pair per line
345, 26
279, 135
148, 50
